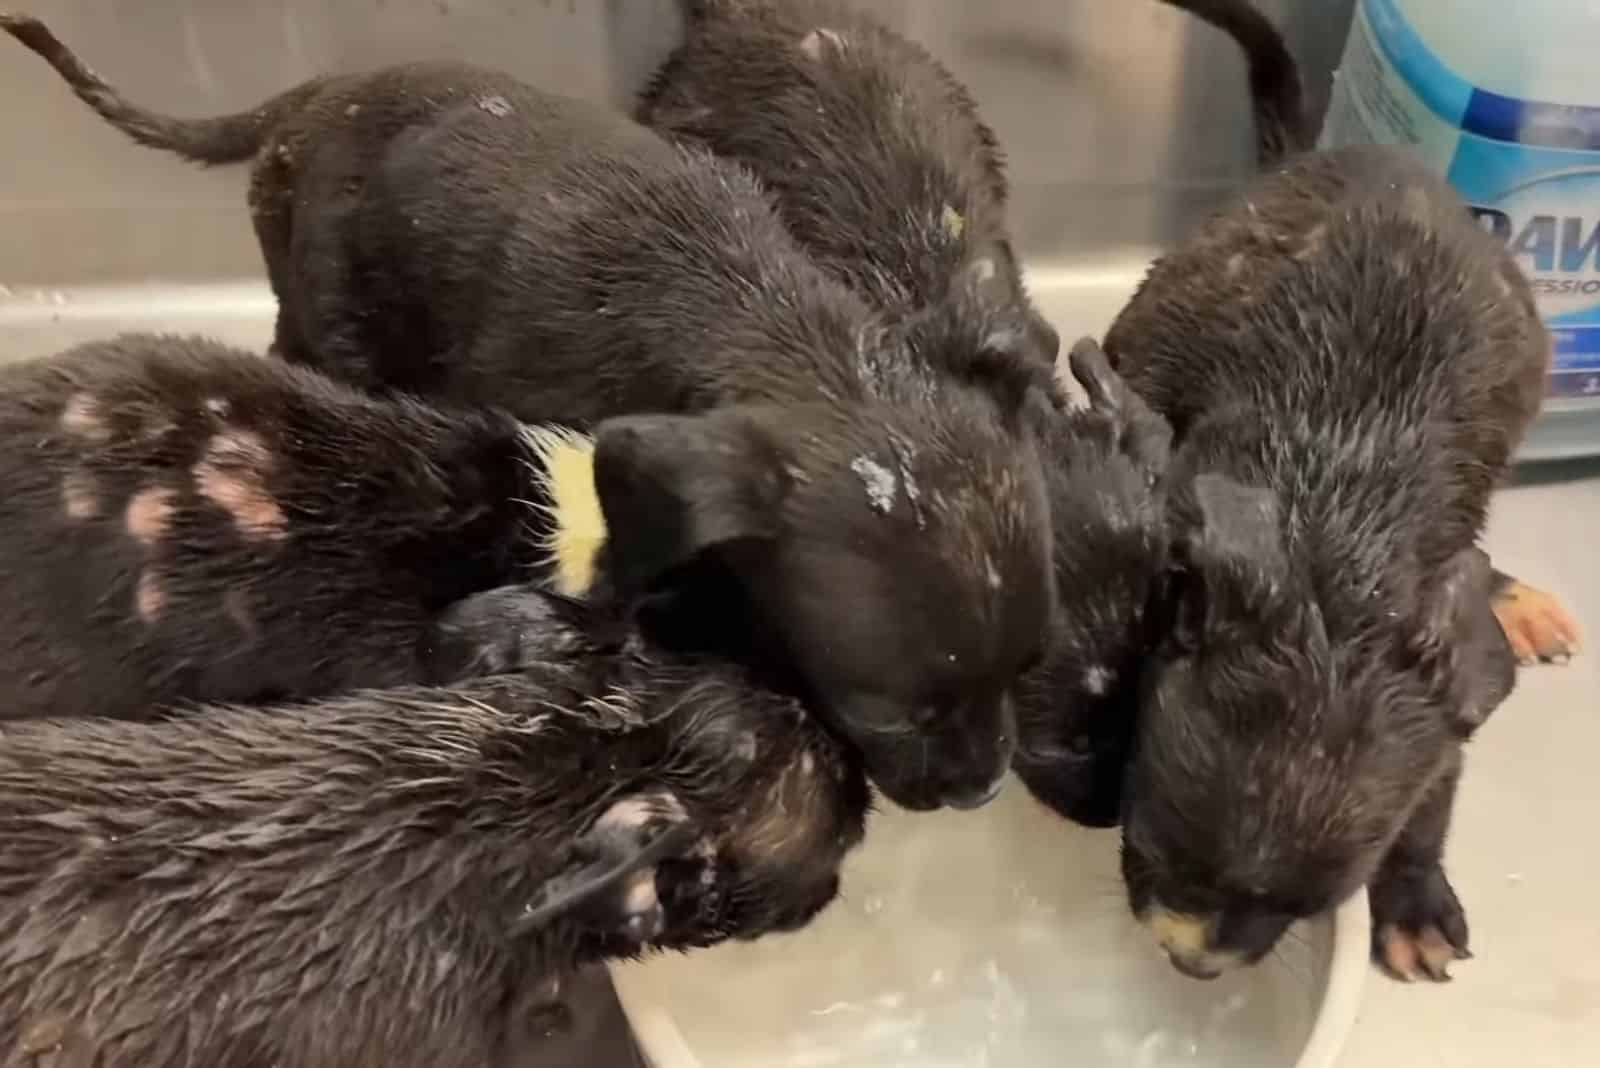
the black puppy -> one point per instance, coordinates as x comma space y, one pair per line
1347, 364
380, 879
188, 522
878, 159
1076, 711
880, 162
447, 230
1538, 625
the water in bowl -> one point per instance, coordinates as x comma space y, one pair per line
994, 939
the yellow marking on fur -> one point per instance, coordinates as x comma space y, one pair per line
1178, 932
577, 525
955, 224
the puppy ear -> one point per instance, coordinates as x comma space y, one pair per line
1008, 361
673, 486
1236, 530
1461, 644
1230, 558
1043, 338
989, 342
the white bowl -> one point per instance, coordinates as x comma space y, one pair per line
991, 939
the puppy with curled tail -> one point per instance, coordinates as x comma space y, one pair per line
853, 497
399, 877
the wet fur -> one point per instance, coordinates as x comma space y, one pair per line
868, 144
1076, 711
1347, 364
348, 882
446, 230
879, 162
376, 523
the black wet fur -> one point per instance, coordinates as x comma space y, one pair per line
291, 536
1347, 364
446, 230
349, 882
879, 162
1076, 710
1283, 125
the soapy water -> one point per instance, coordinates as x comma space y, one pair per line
994, 939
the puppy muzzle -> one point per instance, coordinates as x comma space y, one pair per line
1188, 942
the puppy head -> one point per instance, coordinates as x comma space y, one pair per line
898, 563
1277, 758
914, 589
781, 803
1076, 711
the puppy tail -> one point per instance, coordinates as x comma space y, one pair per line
1282, 126
225, 139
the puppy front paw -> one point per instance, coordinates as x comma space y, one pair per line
497, 632
610, 888
1536, 623
694, 893
1418, 926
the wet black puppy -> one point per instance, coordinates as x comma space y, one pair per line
188, 522
367, 881
878, 159
1076, 711
880, 162
1347, 364
1538, 625
447, 230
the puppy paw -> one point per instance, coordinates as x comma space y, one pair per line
496, 632
1418, 926
694, 893
610, 886
1536, 624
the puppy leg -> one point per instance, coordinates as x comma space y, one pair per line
1418, 925
1536, 623
271, 202
287, 344
501, 631
610, 886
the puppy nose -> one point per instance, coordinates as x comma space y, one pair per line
1192, 968
967, 800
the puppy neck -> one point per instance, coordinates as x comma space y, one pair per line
570, 527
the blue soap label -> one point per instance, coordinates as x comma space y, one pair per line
1529, 170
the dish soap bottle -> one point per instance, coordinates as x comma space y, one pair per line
1503, 98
